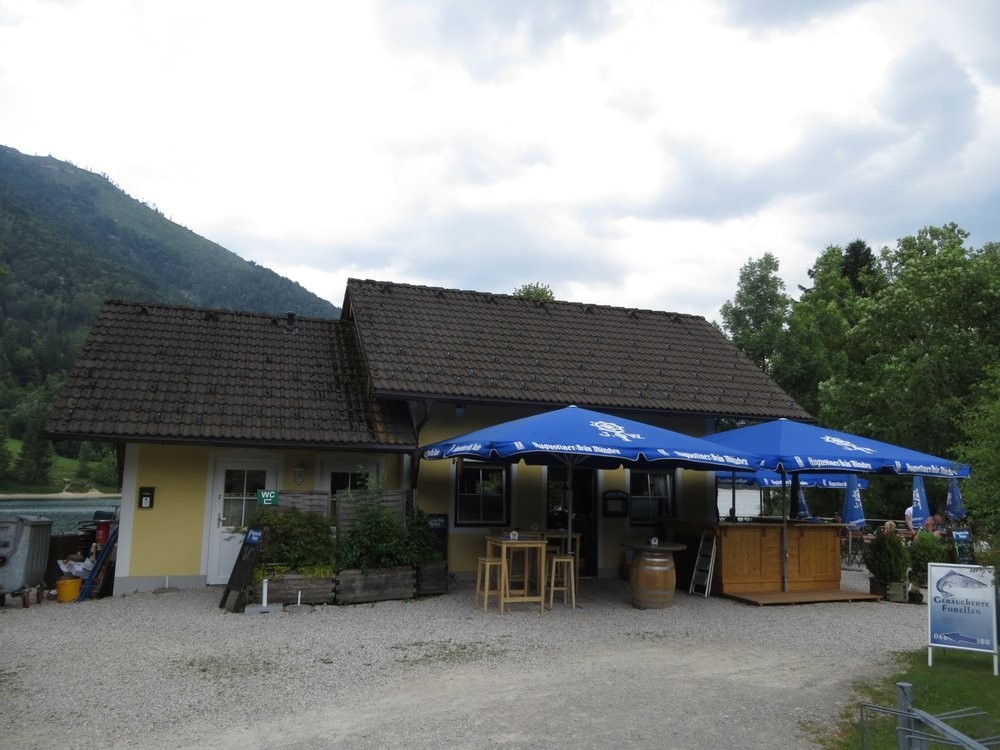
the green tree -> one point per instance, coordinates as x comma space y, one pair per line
755, 318
85, 457
6, 457
34, 462
980, 448
105, 472
814, 345
860, 267
535, 290
920, 344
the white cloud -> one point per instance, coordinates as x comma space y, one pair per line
621, 151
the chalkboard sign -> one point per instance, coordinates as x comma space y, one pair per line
962, 539
242, 573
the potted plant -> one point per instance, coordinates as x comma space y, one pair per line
382, 555
887, 562
376, 554
926, 547
296, 557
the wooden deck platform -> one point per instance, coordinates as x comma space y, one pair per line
766, 598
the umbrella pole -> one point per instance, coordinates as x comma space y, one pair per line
784, 533
732, 505
568, 499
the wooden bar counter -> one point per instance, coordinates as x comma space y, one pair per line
748, 557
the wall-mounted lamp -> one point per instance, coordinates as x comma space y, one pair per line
459, 410
299, 473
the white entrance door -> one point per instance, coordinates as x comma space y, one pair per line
234, 505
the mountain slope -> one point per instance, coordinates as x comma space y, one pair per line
70, 239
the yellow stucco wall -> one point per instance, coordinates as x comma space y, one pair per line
695, 490
167, 538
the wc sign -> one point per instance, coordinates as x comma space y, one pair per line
267, 497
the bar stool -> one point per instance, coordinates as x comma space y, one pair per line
564, 565
484, 573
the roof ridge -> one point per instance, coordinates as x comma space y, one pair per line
439, 292
169, 306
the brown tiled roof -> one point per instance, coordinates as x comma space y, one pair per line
176, 374
471, 346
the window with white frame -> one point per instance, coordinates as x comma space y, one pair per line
650, 497
481, 495
240, 495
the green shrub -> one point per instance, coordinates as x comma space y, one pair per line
377, 538
926, 548
885, 557
295, 539
420, 540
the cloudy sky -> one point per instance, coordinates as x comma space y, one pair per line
624, 152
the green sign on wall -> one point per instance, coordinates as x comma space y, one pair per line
267, 497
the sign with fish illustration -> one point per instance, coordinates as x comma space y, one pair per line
961, 609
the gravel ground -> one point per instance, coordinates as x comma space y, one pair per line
171, 669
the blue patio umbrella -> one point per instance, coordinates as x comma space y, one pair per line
955, 507
791, 446
573, 436
799, 506
772, 479
853, 513
920, 511
767, 478
837, 481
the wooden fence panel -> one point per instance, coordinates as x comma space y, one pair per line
400, 502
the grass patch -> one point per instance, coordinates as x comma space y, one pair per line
62, 468
958, 679
446, 652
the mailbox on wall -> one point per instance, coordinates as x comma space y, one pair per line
146, 497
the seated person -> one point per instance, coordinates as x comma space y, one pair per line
931, 527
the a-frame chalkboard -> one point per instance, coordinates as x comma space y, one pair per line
962, 544
242, 575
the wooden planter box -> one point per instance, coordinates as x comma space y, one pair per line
432, 578
893, 591
380, 584
284, 588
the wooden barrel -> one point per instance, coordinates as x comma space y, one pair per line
652, 578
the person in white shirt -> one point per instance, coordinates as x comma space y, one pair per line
908, 516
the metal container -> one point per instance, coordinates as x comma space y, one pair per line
24, 552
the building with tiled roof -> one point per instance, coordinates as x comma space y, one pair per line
168, 374
209, 406
429, 343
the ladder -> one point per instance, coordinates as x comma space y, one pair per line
701, 578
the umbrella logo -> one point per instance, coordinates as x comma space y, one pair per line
610, 429
847, 445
